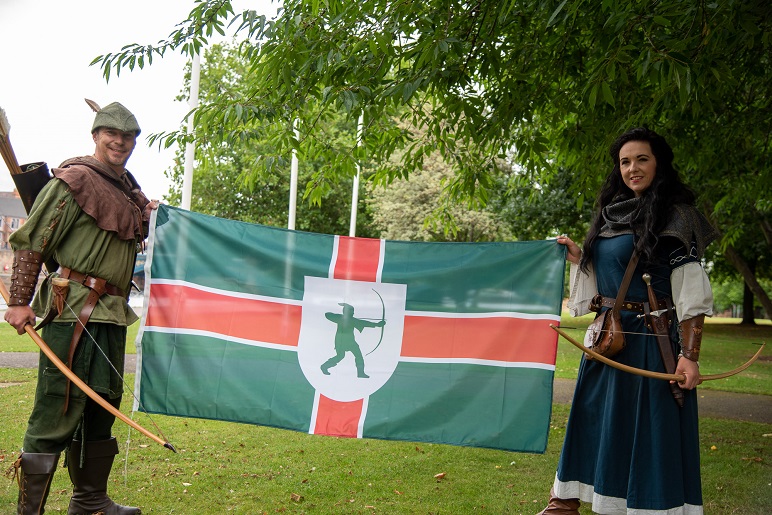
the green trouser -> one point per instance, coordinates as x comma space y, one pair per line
50, 429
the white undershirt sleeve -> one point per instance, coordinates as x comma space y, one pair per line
692, 294
583, 289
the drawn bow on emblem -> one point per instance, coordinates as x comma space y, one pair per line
383, 319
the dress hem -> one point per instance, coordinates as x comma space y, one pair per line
606, 505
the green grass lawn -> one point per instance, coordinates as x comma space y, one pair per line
224, 467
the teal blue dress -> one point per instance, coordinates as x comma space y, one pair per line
629, 448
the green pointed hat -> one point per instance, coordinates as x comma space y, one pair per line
115, 116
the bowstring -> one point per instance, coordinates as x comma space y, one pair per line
120, 375
607, 330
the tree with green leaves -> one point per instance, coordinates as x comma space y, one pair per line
223, 184
533, 211
754, 256
416, 210
543, 84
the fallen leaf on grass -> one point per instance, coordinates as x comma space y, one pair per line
441, 475
296, 497
397, 492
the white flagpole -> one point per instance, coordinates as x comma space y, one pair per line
293, 199
190, 149
352, 229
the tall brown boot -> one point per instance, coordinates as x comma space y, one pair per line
34, 472
89, 494
558, 506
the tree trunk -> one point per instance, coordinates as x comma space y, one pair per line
748, 314
750, 280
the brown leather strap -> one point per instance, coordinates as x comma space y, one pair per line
91, 282
625, 282
627, 305
617, 303
85, 280
659, 325
98, 287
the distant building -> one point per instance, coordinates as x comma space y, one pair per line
12, 216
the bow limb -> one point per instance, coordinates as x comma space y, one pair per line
656, 375
79, 382
383, 319
737, 370
620, 366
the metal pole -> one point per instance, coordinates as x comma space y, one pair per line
352, 229
293, 199
190, 148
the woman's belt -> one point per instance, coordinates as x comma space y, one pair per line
600, 301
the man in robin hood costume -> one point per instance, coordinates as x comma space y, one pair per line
90, 218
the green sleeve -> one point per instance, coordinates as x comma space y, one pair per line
58, 228
51, 219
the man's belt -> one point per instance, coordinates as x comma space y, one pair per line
599, 301
98, 287
91, 282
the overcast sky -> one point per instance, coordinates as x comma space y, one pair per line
45, 50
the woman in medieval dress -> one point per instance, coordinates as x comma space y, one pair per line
629, 446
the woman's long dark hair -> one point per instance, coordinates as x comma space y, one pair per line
652, 215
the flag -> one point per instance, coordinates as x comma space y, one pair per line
355, 337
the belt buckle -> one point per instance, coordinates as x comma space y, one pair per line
596, 303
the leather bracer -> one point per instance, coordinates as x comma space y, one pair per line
24, 276
691, 337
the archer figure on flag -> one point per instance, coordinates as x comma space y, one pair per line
344, 338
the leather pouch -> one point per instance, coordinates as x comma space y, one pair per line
604, 335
